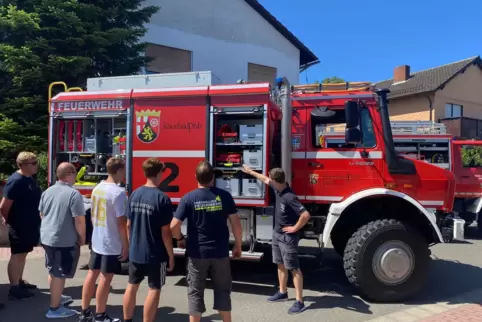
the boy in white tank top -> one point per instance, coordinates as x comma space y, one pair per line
109, 241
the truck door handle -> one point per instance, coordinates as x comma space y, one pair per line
315, 164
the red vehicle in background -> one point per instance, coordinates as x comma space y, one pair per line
429, 142
381, 211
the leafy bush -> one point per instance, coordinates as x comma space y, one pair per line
472, 156
42, 174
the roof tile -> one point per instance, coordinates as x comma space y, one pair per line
427, 80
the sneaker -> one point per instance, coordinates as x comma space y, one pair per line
105, 318
278, 297
297, 307
86, 316
20, 294
27, 285
65, 299
61, 312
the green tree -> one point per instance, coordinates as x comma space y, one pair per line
42, 41
331, 80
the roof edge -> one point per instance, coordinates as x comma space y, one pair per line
475, 61
306, 55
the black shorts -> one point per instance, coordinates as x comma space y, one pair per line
107, 264
61, 262
285, 250
155, 272
23, 241
198, 270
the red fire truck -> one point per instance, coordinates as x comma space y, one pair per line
429, 142
380, 211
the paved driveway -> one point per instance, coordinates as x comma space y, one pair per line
456, 269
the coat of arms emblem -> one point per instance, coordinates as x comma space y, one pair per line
148, 125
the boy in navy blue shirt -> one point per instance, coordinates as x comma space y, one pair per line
149, 213
207, 210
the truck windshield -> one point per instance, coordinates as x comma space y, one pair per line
326, 131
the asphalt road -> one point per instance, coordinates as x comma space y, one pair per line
456, 269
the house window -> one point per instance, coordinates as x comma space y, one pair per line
168, 59
261, 73
453, 110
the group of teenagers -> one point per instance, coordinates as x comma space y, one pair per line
140, 228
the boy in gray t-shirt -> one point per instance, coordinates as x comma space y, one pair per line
62, 232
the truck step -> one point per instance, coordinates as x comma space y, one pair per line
245, 256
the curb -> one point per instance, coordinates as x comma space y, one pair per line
425, 311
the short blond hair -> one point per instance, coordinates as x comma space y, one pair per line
25, 157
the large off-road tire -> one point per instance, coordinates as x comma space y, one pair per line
386, 260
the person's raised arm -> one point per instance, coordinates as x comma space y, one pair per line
78, 212
258, 176
166, 218
120, 210
10, 194
301, 211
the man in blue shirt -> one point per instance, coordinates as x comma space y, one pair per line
149, 213
19, 207
289, 218
207, 210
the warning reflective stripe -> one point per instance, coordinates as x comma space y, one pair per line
431, 202
249, 201
336, 155
169, 154
321, 198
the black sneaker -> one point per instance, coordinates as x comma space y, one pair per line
27, 285
278, 297
20, 294
105, 318
297, 307
86, 316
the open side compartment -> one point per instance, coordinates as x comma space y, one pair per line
88, 142
239, 138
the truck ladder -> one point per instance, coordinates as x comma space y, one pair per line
398, 127
331, 87
418, 127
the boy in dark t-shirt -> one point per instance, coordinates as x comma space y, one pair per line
149, 213
207, 210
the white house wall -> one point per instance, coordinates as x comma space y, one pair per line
224, 36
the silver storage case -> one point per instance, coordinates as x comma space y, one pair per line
252, 188
253, 158
231, 185
251, 134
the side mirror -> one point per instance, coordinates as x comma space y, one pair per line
351, 114
353, 135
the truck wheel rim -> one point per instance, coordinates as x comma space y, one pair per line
393, 262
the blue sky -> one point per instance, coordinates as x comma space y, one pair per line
365, 40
